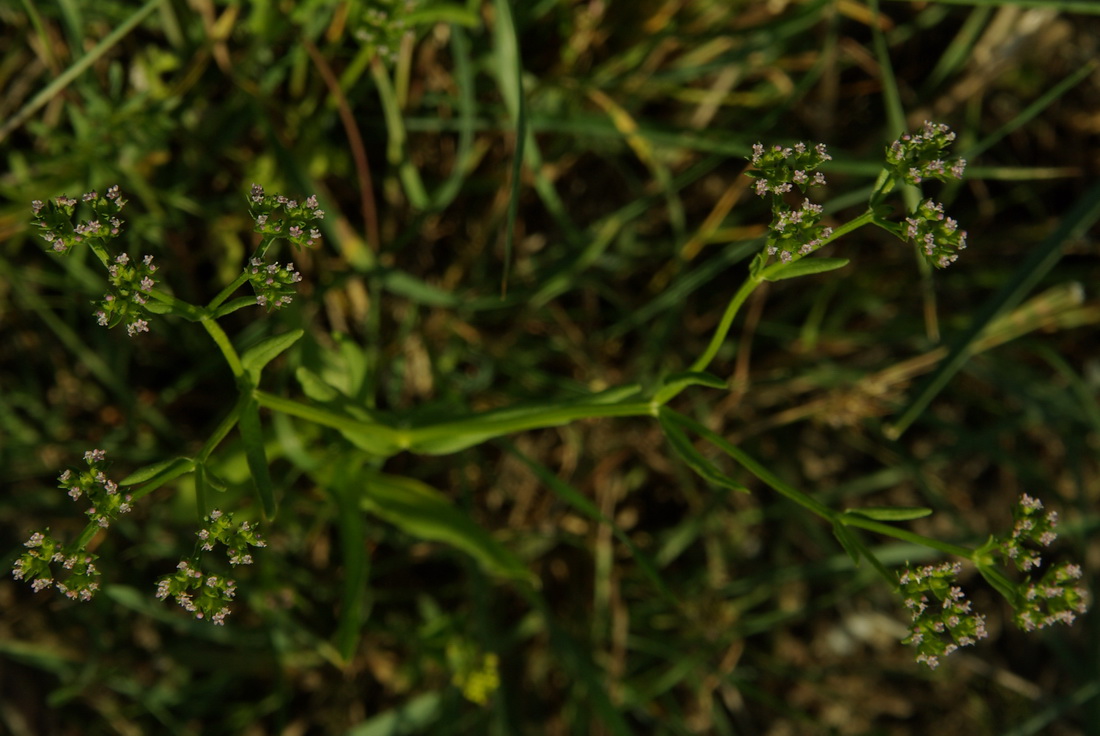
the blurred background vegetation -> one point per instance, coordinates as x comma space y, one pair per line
632, 227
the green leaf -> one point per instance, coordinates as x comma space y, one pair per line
314, 386
154, 307
848, 541
377, 439
892, 513
802, 267
253, 438
256, 357
159, 473
424, 512
451, 436
677, 382
682, 446
344, 491
756, 266
214, 480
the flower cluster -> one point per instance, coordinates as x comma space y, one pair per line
381, 25
796, 231
913, 158
778, 171
1030, 526
131, 282
36, 567
937, 235
942, 617
207, 596
273, 283
278, 216
55, 219
102, 493
107, 504
237, 538
1056, 597
475, 673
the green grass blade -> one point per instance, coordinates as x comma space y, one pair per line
77, 68
349, 520
1031, 111
413, 717
448, 437
395, 148
1079, 219
154, 476
578, 501
467, 108
510, 68
891, 513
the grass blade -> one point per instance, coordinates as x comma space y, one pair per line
1079, 219
510, 65
79, 67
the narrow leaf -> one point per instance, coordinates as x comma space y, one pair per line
161, 472
253, 438
848, 541
803, 267
314, 386
354, 554
677, 382
422, 511
682, 446
892, 513
256, 357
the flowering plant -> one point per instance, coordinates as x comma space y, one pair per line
943, 620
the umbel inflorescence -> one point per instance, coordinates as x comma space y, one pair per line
943, 619
795, 230
132, 297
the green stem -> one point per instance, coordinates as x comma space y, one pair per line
222, 341
810, 503
179, 307
724, 325
751, 465
227, 291
233, 306
224, 427
866, 218
750, 285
